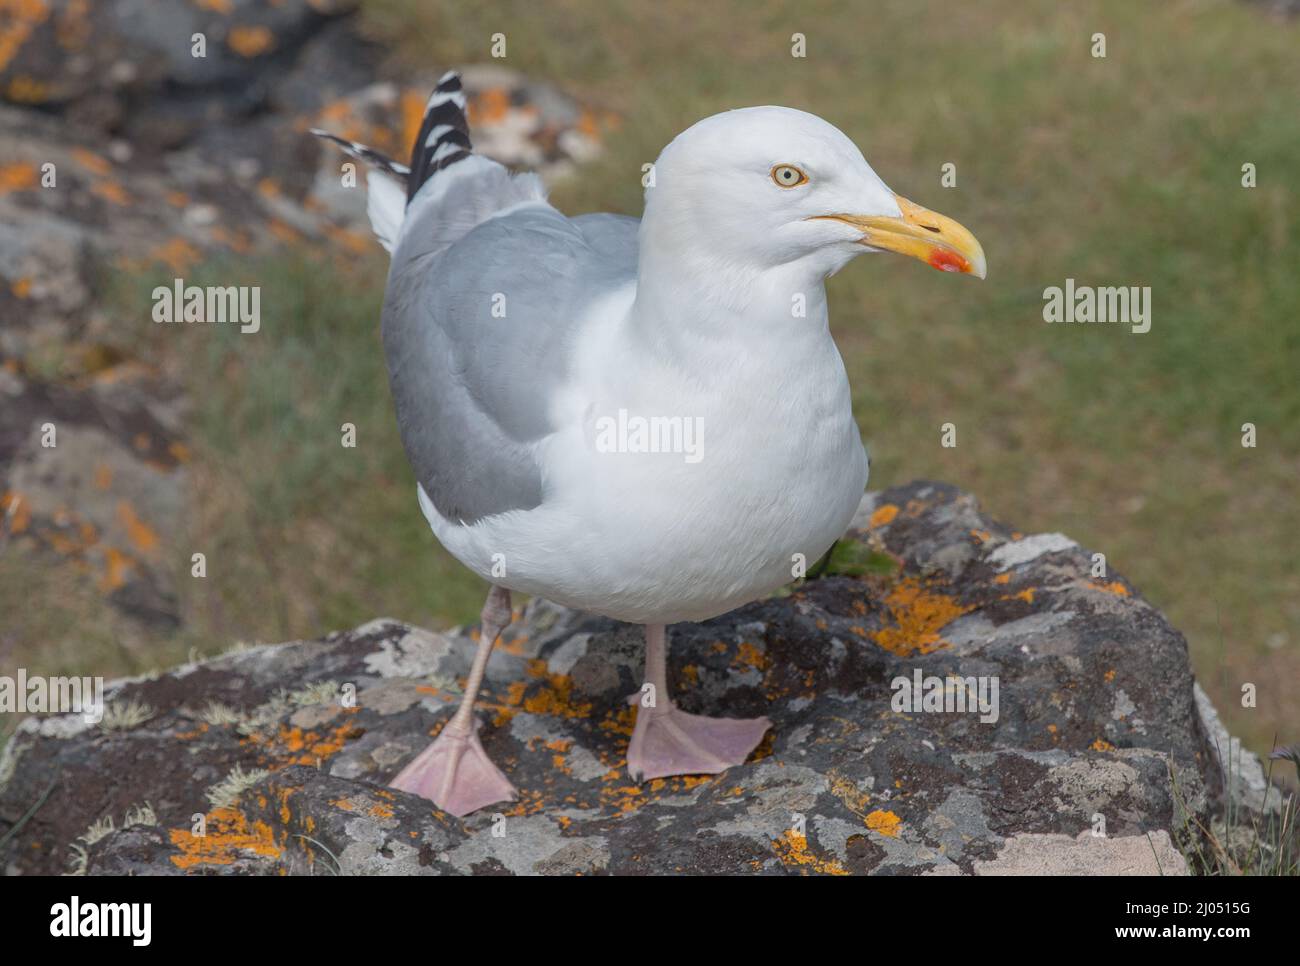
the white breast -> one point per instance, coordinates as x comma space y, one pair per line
774, 475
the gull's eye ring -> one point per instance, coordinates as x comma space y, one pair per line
788, 176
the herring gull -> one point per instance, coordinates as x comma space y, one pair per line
642, 418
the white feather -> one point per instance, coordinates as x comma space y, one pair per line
386, 206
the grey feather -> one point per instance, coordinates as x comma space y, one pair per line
473, 391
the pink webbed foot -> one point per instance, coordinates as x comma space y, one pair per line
667, 741
455, 773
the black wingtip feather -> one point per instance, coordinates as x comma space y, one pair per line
446, 109
367, 154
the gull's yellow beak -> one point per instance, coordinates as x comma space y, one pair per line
936, 239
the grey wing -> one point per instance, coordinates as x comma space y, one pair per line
478, 338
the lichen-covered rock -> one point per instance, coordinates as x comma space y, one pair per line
274, 759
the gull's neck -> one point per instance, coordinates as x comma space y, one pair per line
691, 302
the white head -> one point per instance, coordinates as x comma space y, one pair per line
771, 186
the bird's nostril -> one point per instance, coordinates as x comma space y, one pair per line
931, 228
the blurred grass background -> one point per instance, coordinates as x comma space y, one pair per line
1117, 171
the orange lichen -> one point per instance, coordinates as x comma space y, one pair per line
142, 536
291, 745
411, 110
282, 232
20, 18
1002, 579
91, 161
748, 656
353, 241
177, 254
556, 697
1114, 587
27, 90
886, 823
589, 124
1110, 676
286, 814
560, 747
490, 106
883, 515
111, 192
919, 613
16, 510
530, 803
623, 798
249, 41
308, 747
621, 722
229, 836
17, 177
235, 241
116, 565
792, 849
515, 645
1101, 744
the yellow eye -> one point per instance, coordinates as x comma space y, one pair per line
788, 176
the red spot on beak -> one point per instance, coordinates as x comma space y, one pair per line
946, 261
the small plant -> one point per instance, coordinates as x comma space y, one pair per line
139, 815
125, 715
98, 830
225, 793
217, 714
80, 859
1240, 841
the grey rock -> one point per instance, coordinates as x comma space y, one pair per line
1096, 708
1086, 854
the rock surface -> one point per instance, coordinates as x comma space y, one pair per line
279, 754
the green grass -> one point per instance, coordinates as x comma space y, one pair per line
1238, 841
304, 534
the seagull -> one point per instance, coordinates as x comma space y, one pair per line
646, 419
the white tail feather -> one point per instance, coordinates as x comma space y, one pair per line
386, 206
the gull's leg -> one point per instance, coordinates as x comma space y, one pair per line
455, 772
668, 741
